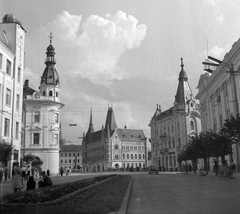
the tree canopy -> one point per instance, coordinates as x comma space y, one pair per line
6, 151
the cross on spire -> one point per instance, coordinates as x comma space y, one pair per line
51, 36
182, 65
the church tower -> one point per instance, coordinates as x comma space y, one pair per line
42, 116
50, 85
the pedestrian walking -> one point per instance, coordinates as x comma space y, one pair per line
17, 184
233, 166
61, 171
5, 173
215, 167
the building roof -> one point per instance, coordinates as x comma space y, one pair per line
131, 134
110, 121
71, 147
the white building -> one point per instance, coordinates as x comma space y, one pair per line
12, 43
173, 128
219, 95
41, 116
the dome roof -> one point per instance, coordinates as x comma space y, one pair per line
50, 48
50, 76
10, 18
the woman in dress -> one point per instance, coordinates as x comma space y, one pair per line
16, 178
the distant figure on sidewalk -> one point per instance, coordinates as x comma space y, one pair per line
48, 172
233, 166
31, 184
5, 170
61, 171
17, 184
216, 167
1, 173
46, 181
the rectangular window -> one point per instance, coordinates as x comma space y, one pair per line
37, 116
56, 117
69, 160
19, 74
6, 127
18, 102
8, 67
61, 160
36, 138
69, 154
17, 130
61, 154
55, 138
65, 161
8, 97
65, 154
1, 57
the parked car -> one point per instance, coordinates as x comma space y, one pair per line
152, 169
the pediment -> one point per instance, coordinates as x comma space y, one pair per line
35, 128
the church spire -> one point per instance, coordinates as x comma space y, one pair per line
183, 89
90, 128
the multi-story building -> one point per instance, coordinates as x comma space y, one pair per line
173, 128
219, 94
41, 116
113, 148
12, 53
71, 156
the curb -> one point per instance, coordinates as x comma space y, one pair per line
124, 205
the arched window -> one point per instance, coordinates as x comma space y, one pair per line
131, 156
50, 93
127, 156
116, 156
116, 146
139, 156
143, 156
123, 156
191, 125
135, 156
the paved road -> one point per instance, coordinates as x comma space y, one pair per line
183, 194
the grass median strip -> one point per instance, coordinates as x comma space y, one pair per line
101, 198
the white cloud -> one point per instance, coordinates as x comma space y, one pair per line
97, 43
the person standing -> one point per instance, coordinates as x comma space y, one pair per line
1, 173
216, 167
16, 178
5, 173
61, 171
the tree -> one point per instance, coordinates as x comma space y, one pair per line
6, 151
35, 161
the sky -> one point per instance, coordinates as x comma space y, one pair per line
122, 53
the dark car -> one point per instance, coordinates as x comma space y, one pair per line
152, 169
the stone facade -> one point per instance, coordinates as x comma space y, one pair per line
219, 95
173, 128
41, 116
113, 148
12, 53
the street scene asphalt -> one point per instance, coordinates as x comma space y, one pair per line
169, 193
